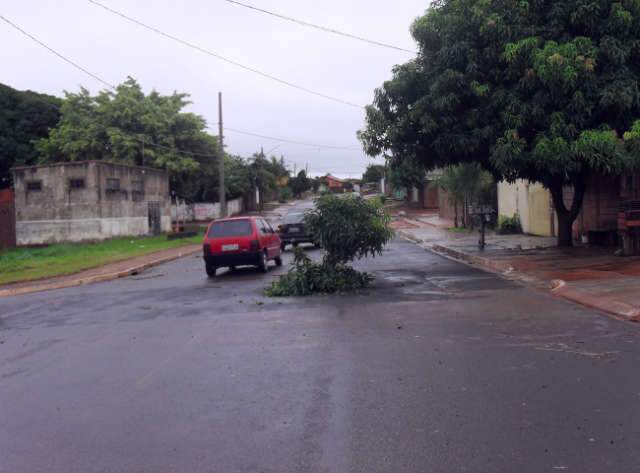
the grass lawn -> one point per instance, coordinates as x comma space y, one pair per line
27, 264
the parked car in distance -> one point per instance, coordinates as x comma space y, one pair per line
240, 241
292, 231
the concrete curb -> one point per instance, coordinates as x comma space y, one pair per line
497, 266
619, 310
39, 287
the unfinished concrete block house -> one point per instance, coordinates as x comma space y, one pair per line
89, 200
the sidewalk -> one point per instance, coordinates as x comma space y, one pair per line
590, 276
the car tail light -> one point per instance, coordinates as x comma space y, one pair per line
254, 245
207, 249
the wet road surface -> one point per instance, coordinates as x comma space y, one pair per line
439, 368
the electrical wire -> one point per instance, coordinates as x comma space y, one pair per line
146, 143
225, 59
284, 140
69, 61
320, 27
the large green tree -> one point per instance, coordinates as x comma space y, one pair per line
539, 90
24, 117
128, 126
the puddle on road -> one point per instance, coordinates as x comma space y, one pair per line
424, 283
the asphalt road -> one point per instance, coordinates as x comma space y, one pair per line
439, 368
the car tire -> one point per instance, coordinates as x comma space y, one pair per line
211, 270
264, 262
278, 261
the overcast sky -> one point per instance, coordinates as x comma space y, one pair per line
113, 48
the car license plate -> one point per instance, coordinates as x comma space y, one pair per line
230, 247
294, 230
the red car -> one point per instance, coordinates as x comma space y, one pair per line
240, 241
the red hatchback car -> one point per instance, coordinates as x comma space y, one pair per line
240, 241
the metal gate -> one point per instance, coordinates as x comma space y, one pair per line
155, 223
7, 225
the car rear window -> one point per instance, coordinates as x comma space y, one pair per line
230, 228
293, 218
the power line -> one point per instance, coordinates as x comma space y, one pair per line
320, 27
190, 153
69, 61
146, 143
102, 81
284, 140
225, 59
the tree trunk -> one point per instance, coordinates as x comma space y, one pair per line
566, 216
455, 214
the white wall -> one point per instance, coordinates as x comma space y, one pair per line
41, 232
205, 211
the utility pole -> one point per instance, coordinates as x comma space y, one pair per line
223, 197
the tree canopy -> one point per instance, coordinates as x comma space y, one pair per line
131, 127
540, 90
373, 173
300, 183
24, 117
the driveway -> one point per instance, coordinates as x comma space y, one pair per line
439, 368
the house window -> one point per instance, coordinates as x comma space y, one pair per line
137, 190
34, 186
76, 184
113, 184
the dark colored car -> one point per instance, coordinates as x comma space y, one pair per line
292, 231
240, 241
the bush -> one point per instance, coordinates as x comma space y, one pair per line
307, 277
347, 228
509, 225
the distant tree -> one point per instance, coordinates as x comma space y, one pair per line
466, 184
373, 173
300, 183
406, 173
542, 90
238, 177
24, 117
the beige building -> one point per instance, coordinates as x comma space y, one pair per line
531, 202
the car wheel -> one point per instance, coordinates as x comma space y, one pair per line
278, 261
262, 265
211, 270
